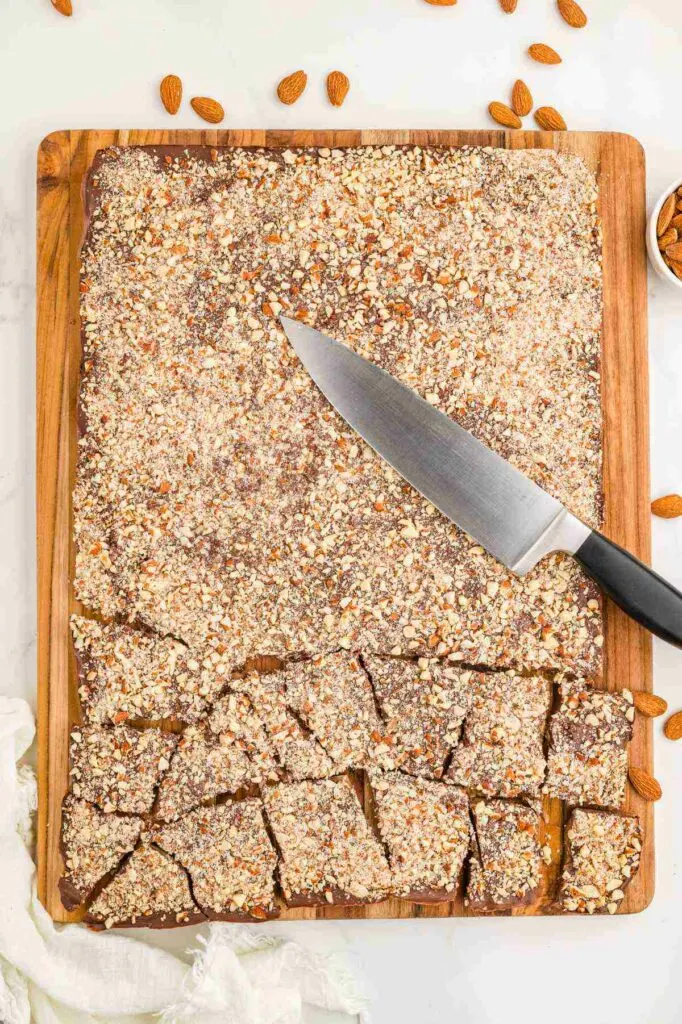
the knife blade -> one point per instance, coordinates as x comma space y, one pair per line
482, 493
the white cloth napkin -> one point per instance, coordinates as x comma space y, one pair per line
51, 974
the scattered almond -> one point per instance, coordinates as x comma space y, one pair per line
649, 705
667, 238
645, 784
665, 215
171, 93
673, 727
208, 109
442, 3
544, 54
550, 120
674, 251
572, 13
508, 6
292, 87
522, 101
667, 507
504, 115
64, 7
338, 85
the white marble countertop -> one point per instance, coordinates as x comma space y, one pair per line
411, 65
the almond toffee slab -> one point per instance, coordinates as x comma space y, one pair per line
294, 687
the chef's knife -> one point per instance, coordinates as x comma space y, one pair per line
481, 492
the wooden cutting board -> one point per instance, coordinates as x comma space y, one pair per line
63, 160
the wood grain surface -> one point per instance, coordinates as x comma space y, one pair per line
63, 160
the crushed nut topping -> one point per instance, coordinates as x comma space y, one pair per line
220, 499
328, 852
587, 761
334, 698
425, 826
296, 748
423, 706
203, 766
234, 719
119, 768
602, 855
125, 673
228, 855
501, 749
93, 844
150, 890
506, 864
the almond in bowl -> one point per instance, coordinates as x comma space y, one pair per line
664, 235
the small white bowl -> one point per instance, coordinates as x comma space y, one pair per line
652, 239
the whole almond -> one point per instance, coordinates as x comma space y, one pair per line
667, 238
292, 87
171, 93
667, 507
522, 101
544, 54
675, 267
504, 115
665, 215
550, 120
676, 222
338, 85
572, 13
442, 3
674, 251
208, 109
645, 784
64, 7
508, 6
673, 727
649, 705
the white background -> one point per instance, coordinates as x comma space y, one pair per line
411, 65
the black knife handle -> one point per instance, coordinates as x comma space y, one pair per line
637, 589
